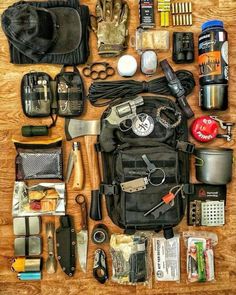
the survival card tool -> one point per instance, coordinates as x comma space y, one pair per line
75, 161
82, 236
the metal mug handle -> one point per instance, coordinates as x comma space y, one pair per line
201, 164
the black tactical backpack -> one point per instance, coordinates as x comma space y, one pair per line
166, 147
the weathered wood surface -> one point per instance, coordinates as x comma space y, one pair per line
11, 119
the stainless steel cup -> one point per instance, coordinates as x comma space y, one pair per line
214, 165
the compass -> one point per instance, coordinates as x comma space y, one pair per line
143, 125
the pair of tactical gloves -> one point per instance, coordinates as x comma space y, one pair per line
111, 26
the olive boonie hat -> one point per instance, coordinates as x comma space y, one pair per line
36, 31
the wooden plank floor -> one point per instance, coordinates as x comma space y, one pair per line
11, 119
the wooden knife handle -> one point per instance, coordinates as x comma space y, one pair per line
81, 200
78, 182
93, 165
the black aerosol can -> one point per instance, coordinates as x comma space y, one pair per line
213, 66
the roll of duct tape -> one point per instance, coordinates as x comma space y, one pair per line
100, 234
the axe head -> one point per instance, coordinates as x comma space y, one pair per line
76, 128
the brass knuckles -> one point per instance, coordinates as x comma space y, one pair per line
90, 72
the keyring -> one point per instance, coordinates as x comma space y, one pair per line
152, 172
80, 199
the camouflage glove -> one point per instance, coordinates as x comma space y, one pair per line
110, 26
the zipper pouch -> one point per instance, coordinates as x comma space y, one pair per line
42, 96
70, 93
39, 160
36, 94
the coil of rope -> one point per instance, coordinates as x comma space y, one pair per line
104, 93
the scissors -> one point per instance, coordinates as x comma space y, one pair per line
91, 72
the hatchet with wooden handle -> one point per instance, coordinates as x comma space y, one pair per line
90, 130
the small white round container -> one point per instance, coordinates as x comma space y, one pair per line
127, 66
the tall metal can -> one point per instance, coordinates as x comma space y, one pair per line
213, 66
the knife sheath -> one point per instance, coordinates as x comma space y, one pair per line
66, 245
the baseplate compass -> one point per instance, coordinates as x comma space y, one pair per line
143, 125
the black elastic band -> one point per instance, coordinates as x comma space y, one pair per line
145, 86
27, 246
27, 228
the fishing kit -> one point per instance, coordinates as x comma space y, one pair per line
137, 154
